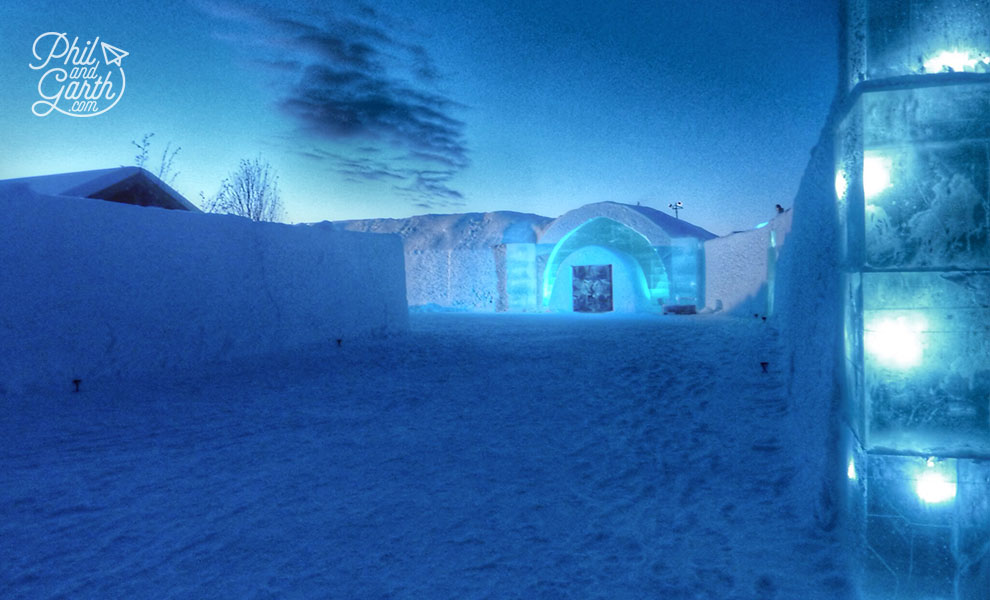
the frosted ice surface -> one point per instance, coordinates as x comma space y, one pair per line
916, 548
943, 402
891, 38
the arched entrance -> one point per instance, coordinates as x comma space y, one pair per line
638, 278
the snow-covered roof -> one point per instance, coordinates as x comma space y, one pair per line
657, 227
98, 183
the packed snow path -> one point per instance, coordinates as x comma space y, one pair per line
479, 456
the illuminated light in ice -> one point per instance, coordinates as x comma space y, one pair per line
841, 184
851, 471
896, 342
950, 61
933, 487
876, 175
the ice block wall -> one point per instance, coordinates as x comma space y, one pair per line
911, 181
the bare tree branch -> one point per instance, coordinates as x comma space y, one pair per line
251, 191
141, 158
166, 170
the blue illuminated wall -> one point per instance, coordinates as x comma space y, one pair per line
911, 181
686, 266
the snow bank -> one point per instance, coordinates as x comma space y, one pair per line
94, 289
739, 268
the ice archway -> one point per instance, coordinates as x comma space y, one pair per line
639, 278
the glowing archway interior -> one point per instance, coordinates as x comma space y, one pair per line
602, 231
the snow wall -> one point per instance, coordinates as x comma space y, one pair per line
463, 279
452, 260
92, 289
740, 268
809, 316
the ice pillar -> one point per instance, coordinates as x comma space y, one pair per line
911, 180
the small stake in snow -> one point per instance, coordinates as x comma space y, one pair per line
340, 342
76, 383
764, 366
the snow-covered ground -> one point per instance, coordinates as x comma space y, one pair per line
477, 456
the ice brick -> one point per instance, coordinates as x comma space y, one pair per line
939, 404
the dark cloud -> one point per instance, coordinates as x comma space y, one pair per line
349, 77
427, 188
433, 185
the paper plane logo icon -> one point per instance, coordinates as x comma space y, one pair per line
113, 51
85, 91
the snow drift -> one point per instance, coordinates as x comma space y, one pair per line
95, 289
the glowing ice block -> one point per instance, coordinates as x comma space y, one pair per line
892, 38
926, 361
918, 542
520, 273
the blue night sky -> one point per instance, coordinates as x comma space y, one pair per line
389, 109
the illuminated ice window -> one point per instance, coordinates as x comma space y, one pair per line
933, 485
953, 60
876, 175
896, 342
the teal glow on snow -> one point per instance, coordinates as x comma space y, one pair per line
895, 342
876, 175
851, 470
933, 486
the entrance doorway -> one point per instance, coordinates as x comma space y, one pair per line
592, 288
